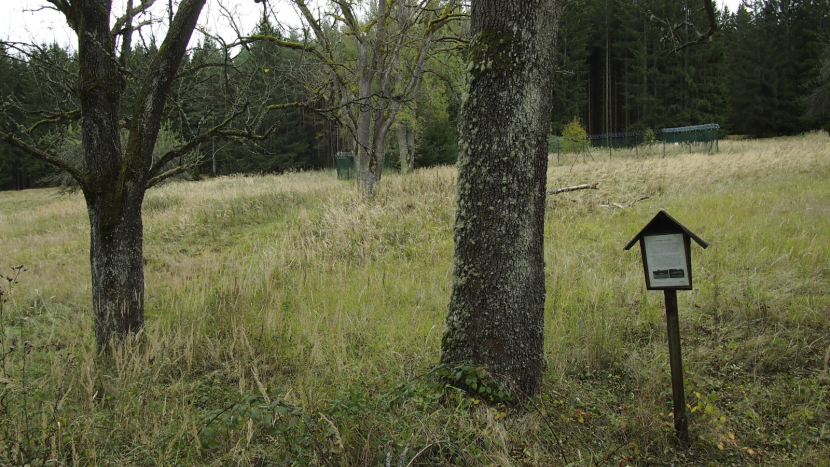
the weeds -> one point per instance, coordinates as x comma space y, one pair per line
29, 428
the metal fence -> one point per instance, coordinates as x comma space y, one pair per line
695, 135
344, 161
345, 164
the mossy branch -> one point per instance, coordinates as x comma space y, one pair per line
55, 118
170, 173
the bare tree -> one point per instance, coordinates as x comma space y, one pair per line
496, 310
368, 91
670, 29
114, 173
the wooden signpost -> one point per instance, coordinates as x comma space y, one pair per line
667, 264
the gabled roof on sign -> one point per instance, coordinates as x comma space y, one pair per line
662, 222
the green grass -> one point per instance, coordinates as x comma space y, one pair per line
289, 322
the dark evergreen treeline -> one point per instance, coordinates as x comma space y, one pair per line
211, 83
302, 139
622, 66
17, 169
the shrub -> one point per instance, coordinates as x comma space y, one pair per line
649, 138
574, 136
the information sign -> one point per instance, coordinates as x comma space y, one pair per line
666, 260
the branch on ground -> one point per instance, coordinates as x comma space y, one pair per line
586, 186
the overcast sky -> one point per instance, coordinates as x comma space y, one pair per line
19, 23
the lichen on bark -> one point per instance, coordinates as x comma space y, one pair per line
493, 49
496, 308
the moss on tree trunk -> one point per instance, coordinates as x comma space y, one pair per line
496, 311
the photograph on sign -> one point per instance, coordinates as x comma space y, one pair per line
666, 260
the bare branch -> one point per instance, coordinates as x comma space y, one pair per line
290, 105
119, 24
711, 18
160, 75
193, 69
190, 145
44, 156
185, 148
709, 7
170, 173
69, 12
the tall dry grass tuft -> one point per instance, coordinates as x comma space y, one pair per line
287, 297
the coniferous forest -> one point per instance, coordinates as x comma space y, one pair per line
621, 70
622, 65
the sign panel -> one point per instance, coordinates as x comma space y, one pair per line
666, 263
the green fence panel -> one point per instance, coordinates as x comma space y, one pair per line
686, 135
345, 165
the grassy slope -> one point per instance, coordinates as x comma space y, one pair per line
289, 282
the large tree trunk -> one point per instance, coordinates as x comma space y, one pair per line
116, 258
496, 311
410, 144
115, 231
379, 151
114, 180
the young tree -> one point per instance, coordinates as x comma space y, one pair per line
115, 174
496, 310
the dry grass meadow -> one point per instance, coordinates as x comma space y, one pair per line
289, 323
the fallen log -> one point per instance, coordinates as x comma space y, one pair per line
586, 186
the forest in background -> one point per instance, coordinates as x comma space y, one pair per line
621, 67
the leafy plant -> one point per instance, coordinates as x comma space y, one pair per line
271, 416
473, 380
574, 136
649, 138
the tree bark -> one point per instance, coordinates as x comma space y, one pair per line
112, 176
365, 162
406, 147
116, 259
113, 198
496, 310
410, 144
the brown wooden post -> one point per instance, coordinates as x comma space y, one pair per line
667, 264
681, 426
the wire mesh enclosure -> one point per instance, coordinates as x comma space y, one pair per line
345, 164
695, 135
389, 161
344, 161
